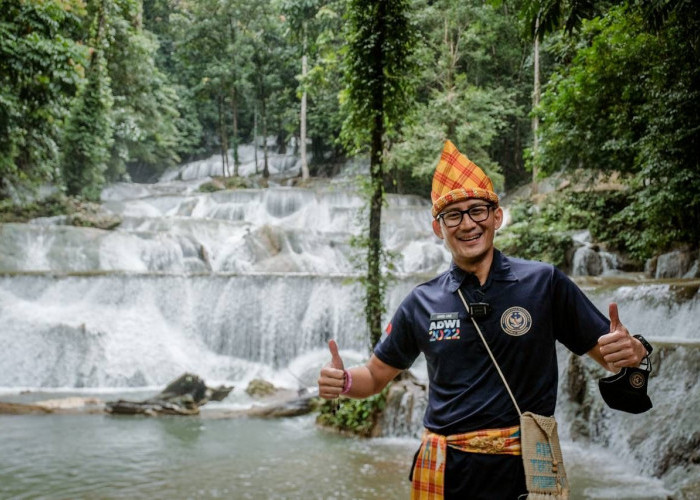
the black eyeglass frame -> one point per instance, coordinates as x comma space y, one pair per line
468, 211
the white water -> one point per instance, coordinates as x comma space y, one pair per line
589, 260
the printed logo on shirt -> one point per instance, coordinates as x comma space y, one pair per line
516, 321
444, 326
388, 329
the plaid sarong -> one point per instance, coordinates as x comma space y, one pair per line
429, 471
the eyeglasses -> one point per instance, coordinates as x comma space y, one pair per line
478, 213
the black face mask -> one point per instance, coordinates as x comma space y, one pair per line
627, 390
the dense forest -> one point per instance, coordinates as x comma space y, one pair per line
95, 91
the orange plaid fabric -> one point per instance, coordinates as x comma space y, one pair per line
457, 178
429, 471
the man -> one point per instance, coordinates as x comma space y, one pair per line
521, 306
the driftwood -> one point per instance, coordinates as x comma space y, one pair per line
21, 409
293, 408
182, 396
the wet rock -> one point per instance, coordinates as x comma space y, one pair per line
587, 262
678, 264
681, 451
406, 402
259, 388
182, 396
92, 215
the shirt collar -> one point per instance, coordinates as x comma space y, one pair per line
500, 271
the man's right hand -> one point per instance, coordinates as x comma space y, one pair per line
332, 378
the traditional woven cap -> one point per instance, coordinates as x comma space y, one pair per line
457, 178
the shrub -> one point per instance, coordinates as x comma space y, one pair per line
356, 416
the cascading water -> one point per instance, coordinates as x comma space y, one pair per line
235, 285
589, 260
210, 283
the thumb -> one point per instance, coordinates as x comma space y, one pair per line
336, 360
614, 317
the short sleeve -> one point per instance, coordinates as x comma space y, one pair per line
577, 322
399, 348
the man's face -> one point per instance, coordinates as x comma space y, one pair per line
469, 242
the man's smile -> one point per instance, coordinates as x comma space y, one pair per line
470, 238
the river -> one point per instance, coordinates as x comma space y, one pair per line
237, 285
102, 456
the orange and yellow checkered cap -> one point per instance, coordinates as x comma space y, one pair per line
457, 178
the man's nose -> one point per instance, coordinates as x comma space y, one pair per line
467, 221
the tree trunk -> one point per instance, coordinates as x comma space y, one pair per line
375, 283
263, 116
223, 138
535, 103
302, 118
255, 138
234, 112
375, 294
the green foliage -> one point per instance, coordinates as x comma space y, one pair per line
535, 233
543, 231
378, 61
145, 109
356, 416
469, 90
40, 71
184, 79
374, 285
630, 102
318, 26
48, 207
88, 131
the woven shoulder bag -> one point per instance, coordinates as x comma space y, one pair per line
545, 476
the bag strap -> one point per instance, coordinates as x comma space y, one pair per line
488, 349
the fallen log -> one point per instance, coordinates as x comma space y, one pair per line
182, 396
22, 409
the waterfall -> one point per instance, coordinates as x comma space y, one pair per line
247, 283
229, 285
588, 259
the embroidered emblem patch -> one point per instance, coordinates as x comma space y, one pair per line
516, 321
444, 326
636, 380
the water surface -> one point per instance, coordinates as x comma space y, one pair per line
110, 457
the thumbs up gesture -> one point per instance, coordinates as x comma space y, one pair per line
619, 348
332, 377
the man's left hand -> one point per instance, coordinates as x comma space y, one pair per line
618, 348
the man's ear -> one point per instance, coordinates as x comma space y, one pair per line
437, 229
498, 217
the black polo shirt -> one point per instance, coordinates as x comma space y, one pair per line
532, 305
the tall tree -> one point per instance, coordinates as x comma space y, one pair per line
89, 127
381, 39
270, 61
145, 111
212, 57
41, 69
299, 14
629, 102
541, 18
467, 92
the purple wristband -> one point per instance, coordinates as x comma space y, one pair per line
348, 382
